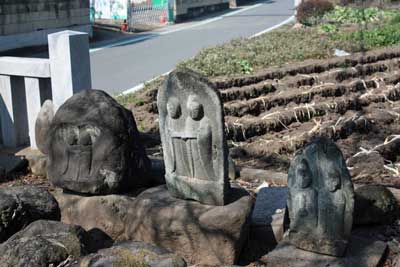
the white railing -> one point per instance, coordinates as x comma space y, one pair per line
25, 83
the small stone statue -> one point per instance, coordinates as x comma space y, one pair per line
193, 138
93, 145
321, 199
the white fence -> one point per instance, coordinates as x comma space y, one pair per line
25, 83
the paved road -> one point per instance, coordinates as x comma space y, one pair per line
117, 69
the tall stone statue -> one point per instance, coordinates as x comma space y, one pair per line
93, 145
193, 138
321, 199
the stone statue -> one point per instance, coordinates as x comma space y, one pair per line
193, 138
321, 199
93, 145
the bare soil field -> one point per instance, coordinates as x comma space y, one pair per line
354, 100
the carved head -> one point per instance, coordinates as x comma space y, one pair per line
195, 108
333, 180
303, 174
93, 147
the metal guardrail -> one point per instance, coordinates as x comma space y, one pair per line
147, 15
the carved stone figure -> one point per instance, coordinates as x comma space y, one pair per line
93, 146
193, 138
321, 199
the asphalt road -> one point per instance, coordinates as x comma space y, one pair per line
118, 68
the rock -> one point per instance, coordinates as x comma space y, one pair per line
36, 159
193, 138
321, 199
11, 163
250, 174
94, 146
19, 206
38, 165
267, 219
374, 204
232, 173
33, 251
269, 201
199, 233
43, 243
360, 253
42, 125
131, 253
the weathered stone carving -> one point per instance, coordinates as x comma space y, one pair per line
193, 138
93, 146
321, 199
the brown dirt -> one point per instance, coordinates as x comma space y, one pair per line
354, 100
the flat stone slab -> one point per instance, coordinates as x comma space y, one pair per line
202, 234
361, 253
269, 201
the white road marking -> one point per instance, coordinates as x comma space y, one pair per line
140, 86
274, 27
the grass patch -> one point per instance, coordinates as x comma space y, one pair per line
139, 98
352, 29
126, 100
276, 48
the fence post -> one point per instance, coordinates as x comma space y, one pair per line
69, 64
13, 117
170, 11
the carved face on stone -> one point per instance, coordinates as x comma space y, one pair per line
93, 146
303, 174
193, 137
332, 180
320, 218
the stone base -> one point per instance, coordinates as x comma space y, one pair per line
318, 245
204, 191
361, 253
202, 234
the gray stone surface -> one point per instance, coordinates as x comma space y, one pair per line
374, 204
27, 23
131, 253
321, 199
361, 253
19, 206
10, 162
69, 64
22, 66
199, 233
269, 200
193, 138
93, 146
42, 126
43, 243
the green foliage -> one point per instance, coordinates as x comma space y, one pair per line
349, 15
329, 28
246, 67
276, 48
386, 35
